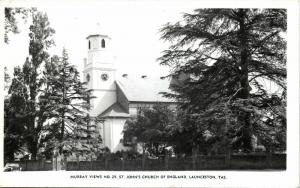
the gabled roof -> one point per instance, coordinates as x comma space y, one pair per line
114, 110
139, 88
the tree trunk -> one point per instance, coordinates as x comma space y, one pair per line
62, 127
194, 157
33, 139
243, 57
63, 111
33, 148
244, 117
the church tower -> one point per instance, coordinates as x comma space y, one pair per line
99, 72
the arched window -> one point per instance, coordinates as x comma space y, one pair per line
88, 77
103, 43
89, 44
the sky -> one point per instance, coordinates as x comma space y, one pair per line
133, 26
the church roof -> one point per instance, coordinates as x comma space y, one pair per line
96, 30
97, 35
114, 110
179, 80
144, 88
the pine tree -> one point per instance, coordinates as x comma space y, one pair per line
65, 101
228, 54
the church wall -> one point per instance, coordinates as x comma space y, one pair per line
98, 83
94, 43
103, 90
118, 126
136, 107
106, 133
113, 133
89, 83
99, 56
133, 111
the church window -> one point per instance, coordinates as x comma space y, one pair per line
88, 77
103, 43
142, 106
89, 44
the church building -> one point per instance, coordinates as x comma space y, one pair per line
118, 96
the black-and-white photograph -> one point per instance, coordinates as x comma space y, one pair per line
145, 88
220, 105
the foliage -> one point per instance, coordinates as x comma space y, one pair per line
7, 79
25, 86
14, 119
47, 106
11, 23
65, 103
128, 155
228, 54
151, 128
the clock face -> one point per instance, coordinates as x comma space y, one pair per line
104, 77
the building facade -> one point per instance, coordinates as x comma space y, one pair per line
118, 96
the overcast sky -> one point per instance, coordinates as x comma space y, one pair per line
133, 27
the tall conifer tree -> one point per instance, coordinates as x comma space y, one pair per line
26, 82
65, 101
228, 55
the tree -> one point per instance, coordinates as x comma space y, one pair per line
65, 105
48, 103
14, 118
185, 136
151, 128
6, 79
228, 54
11, 23
26, 82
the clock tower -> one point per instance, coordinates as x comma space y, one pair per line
99, 72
